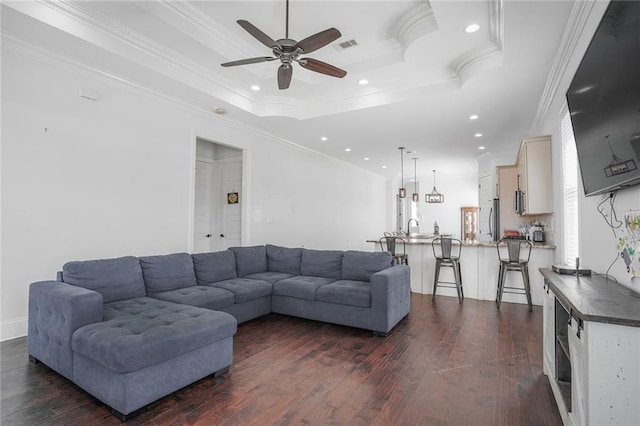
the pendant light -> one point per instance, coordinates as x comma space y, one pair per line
434, 196
402, 192
415, 197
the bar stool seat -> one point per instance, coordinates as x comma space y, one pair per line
395, 245
516, 258
447, 253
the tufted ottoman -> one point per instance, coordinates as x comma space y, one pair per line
149, 348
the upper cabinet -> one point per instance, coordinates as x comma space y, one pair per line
535, 195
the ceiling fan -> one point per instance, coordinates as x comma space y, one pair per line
289, 51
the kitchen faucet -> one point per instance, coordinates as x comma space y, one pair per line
409, 225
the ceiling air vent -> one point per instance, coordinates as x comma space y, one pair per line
346, 44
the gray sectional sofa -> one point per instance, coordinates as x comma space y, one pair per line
131, 330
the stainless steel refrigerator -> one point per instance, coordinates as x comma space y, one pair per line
494, 220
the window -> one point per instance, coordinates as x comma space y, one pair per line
570, 219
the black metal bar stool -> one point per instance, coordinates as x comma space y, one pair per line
514, 258
447, 253
393, 244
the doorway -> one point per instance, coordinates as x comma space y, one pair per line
218, 197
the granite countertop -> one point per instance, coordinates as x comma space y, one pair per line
595, 298
429, 241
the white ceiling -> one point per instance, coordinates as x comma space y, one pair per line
426, 75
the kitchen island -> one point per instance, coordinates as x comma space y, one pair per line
479, 265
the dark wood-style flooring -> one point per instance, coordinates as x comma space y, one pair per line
446, 363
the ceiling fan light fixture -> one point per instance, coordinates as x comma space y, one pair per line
287, 51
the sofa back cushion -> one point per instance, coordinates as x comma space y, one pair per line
360, 265
250, 260
116, 279
214, 267
167, 272
322, 263
283, 259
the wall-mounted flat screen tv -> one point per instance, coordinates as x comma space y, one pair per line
604, 102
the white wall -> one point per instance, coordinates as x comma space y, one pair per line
85, 180
597, 242
459, 191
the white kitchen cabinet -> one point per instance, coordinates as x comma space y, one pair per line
507, 186
534, 175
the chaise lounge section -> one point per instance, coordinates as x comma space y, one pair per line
131, 330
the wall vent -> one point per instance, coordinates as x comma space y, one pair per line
347, 44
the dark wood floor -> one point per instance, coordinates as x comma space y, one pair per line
446, 363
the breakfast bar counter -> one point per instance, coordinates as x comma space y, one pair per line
479, 265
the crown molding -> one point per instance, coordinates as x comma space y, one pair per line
580, 13
20, 47
114, 37
485, 56
416, 23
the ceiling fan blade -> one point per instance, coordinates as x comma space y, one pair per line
316, 41
321, 67
249, 61
284, 76
259, 35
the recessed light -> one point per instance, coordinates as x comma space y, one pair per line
366, 158
384, 167
472, 28
219, 111
348, 149
324, 139
474, 117
481, 147
255, 87
363, 82
478, 135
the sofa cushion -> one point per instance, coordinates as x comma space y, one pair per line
198, 295
244, 289
283, 259
301, 287
360, 265
322, 263
160, 332
270, 277
212, 267
346, 292
250, 260
116, 279
167, 272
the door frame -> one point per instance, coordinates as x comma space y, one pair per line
245, 228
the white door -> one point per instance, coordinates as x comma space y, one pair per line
203, 207
230, 211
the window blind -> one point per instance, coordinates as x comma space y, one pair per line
570, 218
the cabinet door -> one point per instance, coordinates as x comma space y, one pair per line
534, 175
579, 373
548, 332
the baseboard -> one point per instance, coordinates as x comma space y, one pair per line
13, 329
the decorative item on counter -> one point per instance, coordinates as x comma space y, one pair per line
436, 228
